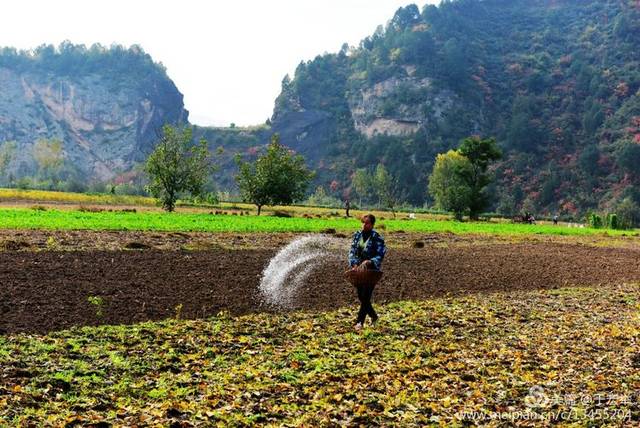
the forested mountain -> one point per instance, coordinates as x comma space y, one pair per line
74, 115
555, 81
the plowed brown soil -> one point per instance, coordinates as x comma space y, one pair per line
43, 291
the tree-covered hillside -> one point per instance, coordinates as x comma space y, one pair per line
71, 60
555, 81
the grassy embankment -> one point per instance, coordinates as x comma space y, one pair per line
426, 363
54, 219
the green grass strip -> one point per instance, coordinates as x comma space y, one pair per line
21, 218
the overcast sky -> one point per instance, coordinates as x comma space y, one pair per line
227, 57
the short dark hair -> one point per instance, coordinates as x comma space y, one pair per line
371, 218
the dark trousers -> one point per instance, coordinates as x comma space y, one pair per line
364, 294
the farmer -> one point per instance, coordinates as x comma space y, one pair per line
367, 252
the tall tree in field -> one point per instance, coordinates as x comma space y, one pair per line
276, 178
177, 165
362, 183
480, 152
386, 188
449, 183
49, 156
459, 177
7, 152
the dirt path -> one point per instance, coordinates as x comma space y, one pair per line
49, 290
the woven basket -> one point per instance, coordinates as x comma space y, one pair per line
363, 277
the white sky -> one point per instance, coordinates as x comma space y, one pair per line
228, 58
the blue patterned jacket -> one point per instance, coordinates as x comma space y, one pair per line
374, 250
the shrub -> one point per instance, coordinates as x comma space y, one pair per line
594, 221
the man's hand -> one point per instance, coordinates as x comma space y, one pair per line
365, 265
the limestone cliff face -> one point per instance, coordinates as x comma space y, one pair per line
106, 123
414, 101
400, 106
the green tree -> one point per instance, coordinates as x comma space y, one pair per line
176, 165
588, 160
628, 157
507, 204
7, 152
362, 183
525, 130
49, 156
454, 63
277, 177
628, 213
480, 152
386, 188
449, 183
404, 18
592, 119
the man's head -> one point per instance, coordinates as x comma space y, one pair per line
368, 221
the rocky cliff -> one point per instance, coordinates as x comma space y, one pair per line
101, 117
375, 111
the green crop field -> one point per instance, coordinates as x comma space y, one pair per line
53, 219
64, 200
443, 361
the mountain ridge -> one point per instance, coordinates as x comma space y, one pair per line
555, 81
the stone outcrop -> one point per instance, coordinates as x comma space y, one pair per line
415, 103
106, 123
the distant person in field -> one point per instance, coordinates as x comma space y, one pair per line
347, 205
367, 252
529, 218
555, 220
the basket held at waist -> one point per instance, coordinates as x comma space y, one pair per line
363, 277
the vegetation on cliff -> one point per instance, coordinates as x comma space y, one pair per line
556, 82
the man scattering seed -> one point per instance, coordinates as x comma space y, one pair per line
367, 252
